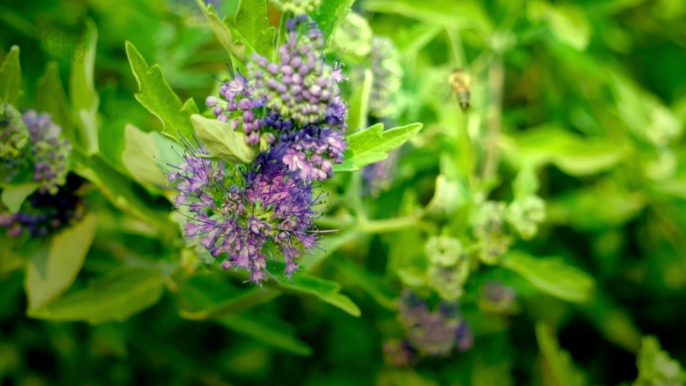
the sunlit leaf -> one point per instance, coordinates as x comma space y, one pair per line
10, 77
222, 141
84, 98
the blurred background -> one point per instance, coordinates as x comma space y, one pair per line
591, 94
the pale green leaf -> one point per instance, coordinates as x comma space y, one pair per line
222, 141
10, 78
656, 367
146, 154
15, 195
352, 163
115, 297
54, 267
158, 97
552, 276
84, 98
370, 145
327, 291
526, 183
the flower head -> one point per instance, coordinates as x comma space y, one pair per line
489, 229
243, 213
354, 36
301, 87
13, 138
525, 215
50, 151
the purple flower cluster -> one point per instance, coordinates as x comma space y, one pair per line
43, 213
293, 110
242, 216
49, 150
434, 333
294, 104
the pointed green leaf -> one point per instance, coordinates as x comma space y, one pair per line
15, 195
10, 78
269, 330
115, 297
552, 276
229, 37
158, 97
370, 145
54, 267
331, 14
222, 141
84, 98
526, 184
52, 99
252, 23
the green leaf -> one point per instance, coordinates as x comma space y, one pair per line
252, 23
359, 103
54, 267
612, 321
325, 290
369, 283
552, 276
269, 330
567, 22
561, 367
370, 145
331, 14
230, 305
656, 367
15, 195
10, 78
84, 98
158, 97
227, 36
222, 141
573, 154
52, 99
146, 154
115, 297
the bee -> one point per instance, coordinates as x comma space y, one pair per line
459, 81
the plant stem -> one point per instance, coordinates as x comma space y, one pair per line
496, 80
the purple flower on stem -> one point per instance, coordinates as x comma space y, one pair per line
50, 151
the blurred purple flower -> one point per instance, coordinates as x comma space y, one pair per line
50, 151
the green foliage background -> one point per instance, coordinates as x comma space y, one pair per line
587, 97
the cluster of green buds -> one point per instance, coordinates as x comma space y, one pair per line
489, 228
524, 215
448, 266
297, 7
353, 37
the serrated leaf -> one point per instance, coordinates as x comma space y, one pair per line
552, 276
10, 78
115, 297
252, 23
15, 195
222, 141
52, 99
227, 36
54, 267
146, 155
370, 145
331, 14
158, 97
84, 98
